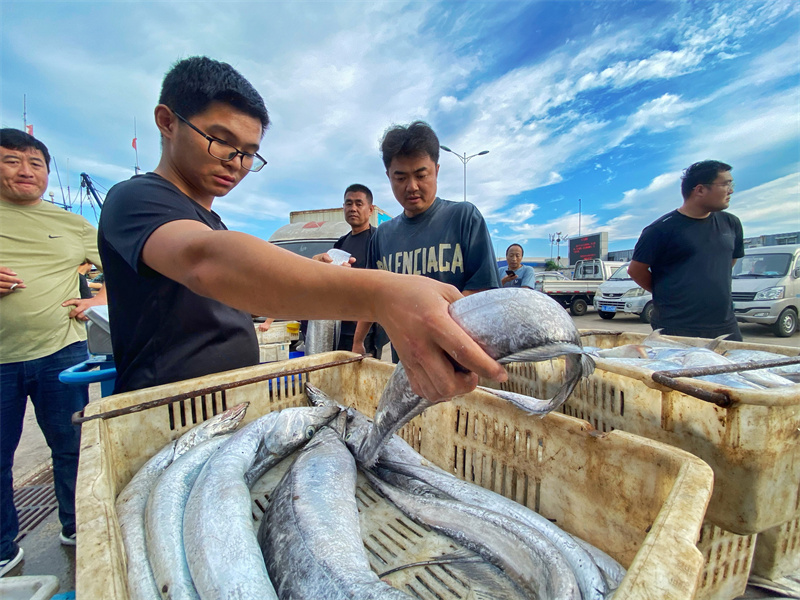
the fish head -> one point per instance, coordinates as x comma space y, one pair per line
295, 426
224, 422
358, 426
506, 321
316, 397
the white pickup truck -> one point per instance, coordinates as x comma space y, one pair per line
577, 294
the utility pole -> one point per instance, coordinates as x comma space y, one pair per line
464, 159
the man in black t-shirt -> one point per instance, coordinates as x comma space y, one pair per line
181, 287
685, 257
439, 239
358, 208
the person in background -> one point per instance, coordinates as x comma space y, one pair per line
41, 327
183, 288
685, 257
436, 238
358, 209
516, 274
83, 284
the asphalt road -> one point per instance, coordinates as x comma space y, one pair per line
752, 333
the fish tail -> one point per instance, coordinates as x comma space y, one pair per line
578, 366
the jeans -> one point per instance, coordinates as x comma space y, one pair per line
54, 402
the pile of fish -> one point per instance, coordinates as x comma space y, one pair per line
189, 532
186, 517
658, 353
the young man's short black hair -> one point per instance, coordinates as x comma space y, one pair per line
416, 139
14, 139
521, 250
192, 84
703, 172
358, 187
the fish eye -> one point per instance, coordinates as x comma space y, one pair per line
348, 437
309, 432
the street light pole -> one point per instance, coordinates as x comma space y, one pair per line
464, 159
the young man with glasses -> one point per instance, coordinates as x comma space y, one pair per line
182, 287
685, 257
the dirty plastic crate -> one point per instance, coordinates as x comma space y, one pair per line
639, 500
752, 446
273, 352
728, 558
279, 331
778, 551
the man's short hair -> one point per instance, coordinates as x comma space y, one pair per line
703, 172
14, 139
358, 187
522, 251
416, 139
192, 84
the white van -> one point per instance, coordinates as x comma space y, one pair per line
621, 294
766, 287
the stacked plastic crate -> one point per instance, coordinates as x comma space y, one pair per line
753, 520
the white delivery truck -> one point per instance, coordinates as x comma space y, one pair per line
621, 294
766, 287
577, 293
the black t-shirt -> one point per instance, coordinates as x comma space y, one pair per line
161, 331
449, 242
357, 245
83, 287
690, 260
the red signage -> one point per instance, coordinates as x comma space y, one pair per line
586, 247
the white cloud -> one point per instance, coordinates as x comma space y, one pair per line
772, 207
447, 103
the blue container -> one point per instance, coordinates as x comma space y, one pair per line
97, 369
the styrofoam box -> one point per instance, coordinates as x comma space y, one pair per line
641, 501
273, 352
279, 331
28, 587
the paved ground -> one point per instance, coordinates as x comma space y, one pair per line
751, 332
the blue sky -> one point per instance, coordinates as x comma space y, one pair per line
605, 102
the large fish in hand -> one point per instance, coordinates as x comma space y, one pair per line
511, 325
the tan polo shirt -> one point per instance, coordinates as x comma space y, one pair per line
44, 245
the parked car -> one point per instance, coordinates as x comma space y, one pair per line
621, 294
543, 276
766, 287
310, 237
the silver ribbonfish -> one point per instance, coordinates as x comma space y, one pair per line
164, 521
310, 535
132, 500
511, 325
221, 547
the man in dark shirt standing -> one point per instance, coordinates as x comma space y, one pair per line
685, 257
439, 239
358, 209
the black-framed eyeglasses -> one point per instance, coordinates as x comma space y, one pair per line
225, 152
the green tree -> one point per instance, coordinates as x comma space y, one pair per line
550, 265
